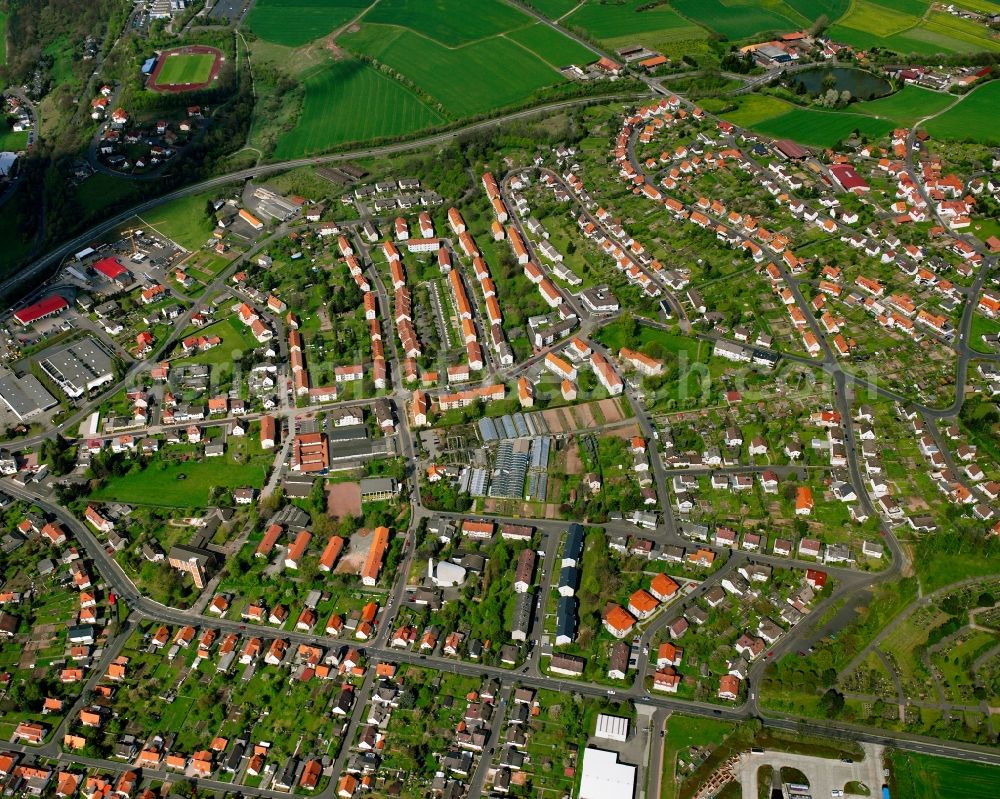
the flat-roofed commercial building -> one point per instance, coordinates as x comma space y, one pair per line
604, 777
25, 396
78, 367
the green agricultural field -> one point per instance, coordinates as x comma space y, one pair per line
906, 106
553, 9
620, 24
615, 20
954, 33
474, 79
551, 46
814, 9
183, 221
868, 16
906, 27
927, 777
736, 20
985, 6
972, 119
294, 22
450, 22
186, 68
916, 7
350, 101
822, 128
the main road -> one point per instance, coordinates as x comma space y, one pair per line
38, 270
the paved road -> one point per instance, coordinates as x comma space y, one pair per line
39, 269
143, 607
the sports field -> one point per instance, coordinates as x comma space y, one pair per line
295, 22
927, 777
477, 78
350, 101
184, 68
973, 119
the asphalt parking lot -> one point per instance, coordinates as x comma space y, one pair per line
825, 775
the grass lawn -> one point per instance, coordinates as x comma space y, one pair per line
945, 569
294, 22
682, 732
236, 337
101, 191
184, 221
822, 128
476, 78
186, 68
926, 777
17, 241
3, 38
982, 326
906, 106
182, 484
755, 108
973, 119
350, 101
739, 20
11, 141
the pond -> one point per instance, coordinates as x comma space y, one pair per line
862, 85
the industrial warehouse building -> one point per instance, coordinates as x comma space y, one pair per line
78, 367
